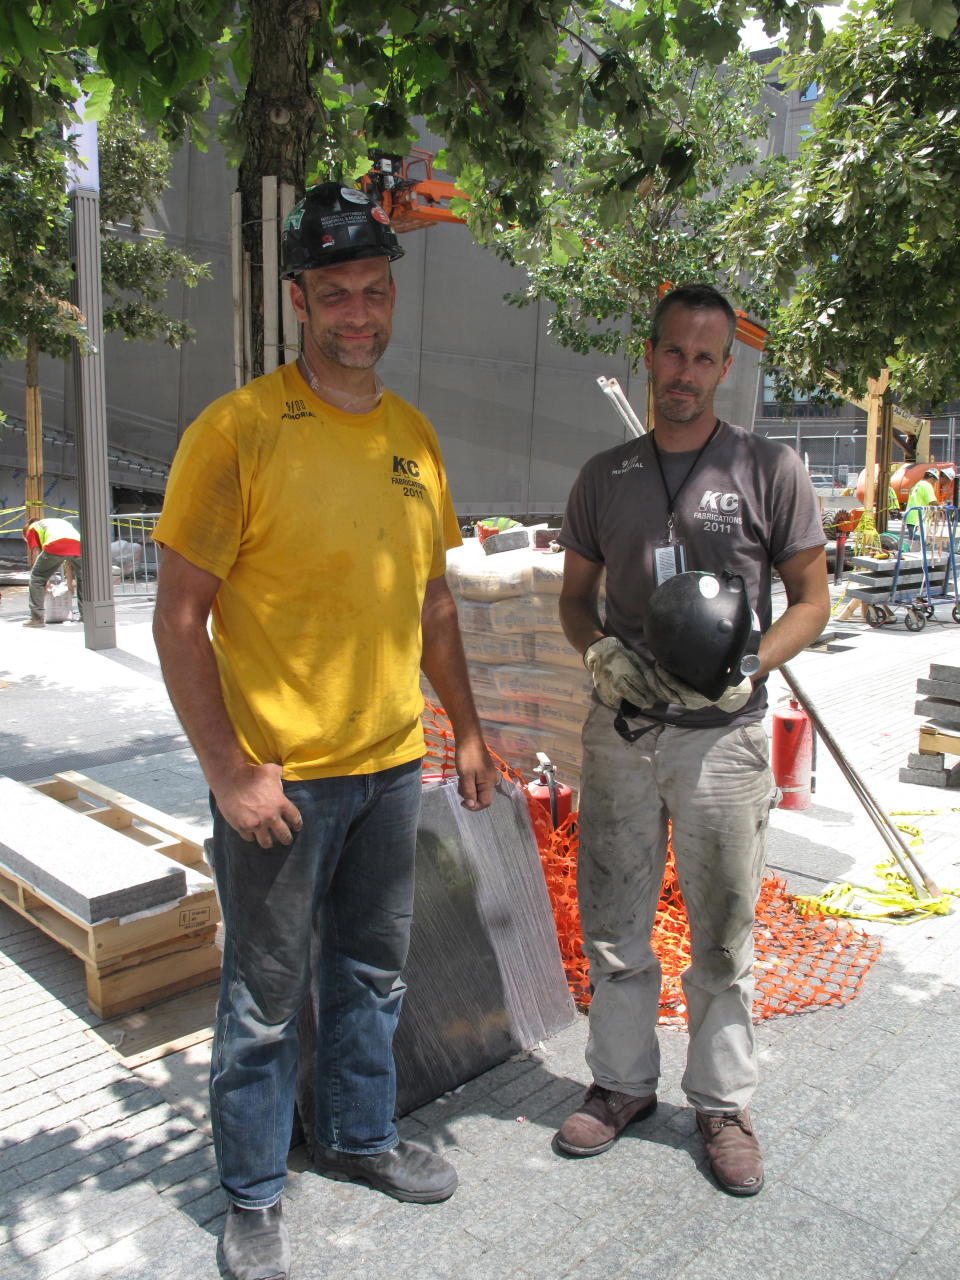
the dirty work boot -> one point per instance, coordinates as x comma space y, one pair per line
600, 1120
733, 1151
256, 1245
407, 1171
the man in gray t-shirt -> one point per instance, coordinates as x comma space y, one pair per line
697, 494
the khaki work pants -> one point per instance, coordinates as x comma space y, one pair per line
716, 787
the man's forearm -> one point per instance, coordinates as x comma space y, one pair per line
580, 622
797, 626
193, 683
444, 664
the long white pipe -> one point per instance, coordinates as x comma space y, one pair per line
613, 391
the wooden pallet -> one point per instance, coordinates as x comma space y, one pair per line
133, 962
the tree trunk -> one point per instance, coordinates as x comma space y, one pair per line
33, 485
277, 126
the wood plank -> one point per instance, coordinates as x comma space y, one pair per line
195, 914
850, 607
142, 984
935, 741
167, 1027
137, 811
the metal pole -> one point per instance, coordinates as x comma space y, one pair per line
614, 392
99, 613
908, 861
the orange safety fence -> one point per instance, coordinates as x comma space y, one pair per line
802, 961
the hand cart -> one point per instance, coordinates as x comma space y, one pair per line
923, 573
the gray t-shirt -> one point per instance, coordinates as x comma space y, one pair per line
747, 505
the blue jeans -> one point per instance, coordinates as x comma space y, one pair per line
350, 870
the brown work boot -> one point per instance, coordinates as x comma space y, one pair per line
733, 1151
600, 1120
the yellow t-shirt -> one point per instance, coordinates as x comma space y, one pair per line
324, 528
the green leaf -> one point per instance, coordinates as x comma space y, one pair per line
943, 18
99, 97
26, 35
402, 21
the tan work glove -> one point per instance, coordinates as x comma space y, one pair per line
672, 689
618, 673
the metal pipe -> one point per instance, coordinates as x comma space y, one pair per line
908, 861
614, 392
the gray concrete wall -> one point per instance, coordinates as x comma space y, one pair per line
515, 413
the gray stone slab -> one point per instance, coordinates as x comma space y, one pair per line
945, 713
926, 777
930, 763
946, 689
88, 869
509, 540
942, 671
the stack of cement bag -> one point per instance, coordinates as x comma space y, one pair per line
531, 688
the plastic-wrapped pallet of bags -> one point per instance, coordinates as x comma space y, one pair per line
56, 600
546, 572
539, 683
496, 648
498, 577
519, 613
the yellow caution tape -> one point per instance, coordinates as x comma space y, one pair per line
838, 602
896, 900
921, 813
12, 511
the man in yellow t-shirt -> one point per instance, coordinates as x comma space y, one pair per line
307, 515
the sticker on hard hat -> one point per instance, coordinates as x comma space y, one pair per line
709, 586
379, 214
358, 197
327, 242
294, 218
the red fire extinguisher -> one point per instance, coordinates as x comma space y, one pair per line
545, 790
792, 755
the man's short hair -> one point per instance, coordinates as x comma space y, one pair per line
698, 297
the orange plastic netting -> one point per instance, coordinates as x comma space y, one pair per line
803, 961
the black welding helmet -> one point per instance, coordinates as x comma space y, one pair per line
334, 224
700, 627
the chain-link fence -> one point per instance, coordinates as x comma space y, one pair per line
134, 555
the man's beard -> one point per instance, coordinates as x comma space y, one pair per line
350, 356
679, 411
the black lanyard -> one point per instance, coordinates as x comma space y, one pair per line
672, 497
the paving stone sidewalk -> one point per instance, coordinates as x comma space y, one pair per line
108, 1172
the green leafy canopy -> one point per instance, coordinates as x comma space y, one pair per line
856, 242
35, 268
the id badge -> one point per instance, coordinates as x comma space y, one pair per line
668, 560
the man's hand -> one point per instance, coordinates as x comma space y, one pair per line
619, 674
672, 689
477, 775
251, 799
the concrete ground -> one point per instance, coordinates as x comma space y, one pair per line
107, 1170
